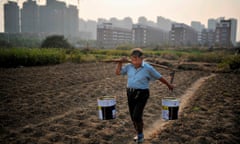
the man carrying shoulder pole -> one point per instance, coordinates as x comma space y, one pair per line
139, 73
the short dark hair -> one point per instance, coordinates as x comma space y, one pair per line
137, 52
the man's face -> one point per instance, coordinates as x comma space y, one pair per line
136, 61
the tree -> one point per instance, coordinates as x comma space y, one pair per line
55, 41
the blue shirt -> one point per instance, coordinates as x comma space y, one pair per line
140, 78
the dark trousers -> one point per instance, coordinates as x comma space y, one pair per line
137, 99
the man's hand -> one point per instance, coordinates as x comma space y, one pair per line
170, 87
124, 59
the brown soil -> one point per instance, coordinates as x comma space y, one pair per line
58, 104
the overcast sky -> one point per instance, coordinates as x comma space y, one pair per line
183, 11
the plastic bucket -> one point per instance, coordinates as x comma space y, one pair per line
170, 108
107, 107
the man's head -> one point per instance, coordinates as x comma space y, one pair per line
137, 57
137, 52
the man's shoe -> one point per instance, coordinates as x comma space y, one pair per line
135, 138
140, 139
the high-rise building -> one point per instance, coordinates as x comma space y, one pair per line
144, 35
53, 18
56, 18
208, 37
143, 20
198, 27
88, 29
71, 22
11, 17
212, 23
109, 36
140, 35
226, 33
30, 17
164, 23
183, 35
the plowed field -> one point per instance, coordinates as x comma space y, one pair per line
58, 104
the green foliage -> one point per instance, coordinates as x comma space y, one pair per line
125, 47
30, 57
230, 62
55, 41
234, 62
78, 56
75, 56
13, 57
206, 57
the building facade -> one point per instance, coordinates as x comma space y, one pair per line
110, 37
197, 26
226, 33
144, 35
212, 24
208, 37
53, 18
164, 24
183, 35
140, 35
11, 17
30, 17
220, 33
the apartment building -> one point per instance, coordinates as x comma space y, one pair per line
208, 37
30, 17
183, 35
144, 35
109, 36
11, 17
226, 33
53, 18
198, 26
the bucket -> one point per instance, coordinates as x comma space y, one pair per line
107, 107
170, 108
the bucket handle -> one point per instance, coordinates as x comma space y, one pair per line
172, 74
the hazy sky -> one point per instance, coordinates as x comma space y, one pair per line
183, 11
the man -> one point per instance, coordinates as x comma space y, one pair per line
139, 75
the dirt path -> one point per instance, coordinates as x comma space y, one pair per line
191, 91
211, 115
159, 125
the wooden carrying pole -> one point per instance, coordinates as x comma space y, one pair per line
153, 64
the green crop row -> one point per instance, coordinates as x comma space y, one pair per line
30, 57
14, 57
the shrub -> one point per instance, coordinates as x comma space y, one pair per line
125, 47
230, 62
206, 57
234, 62
55, 41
